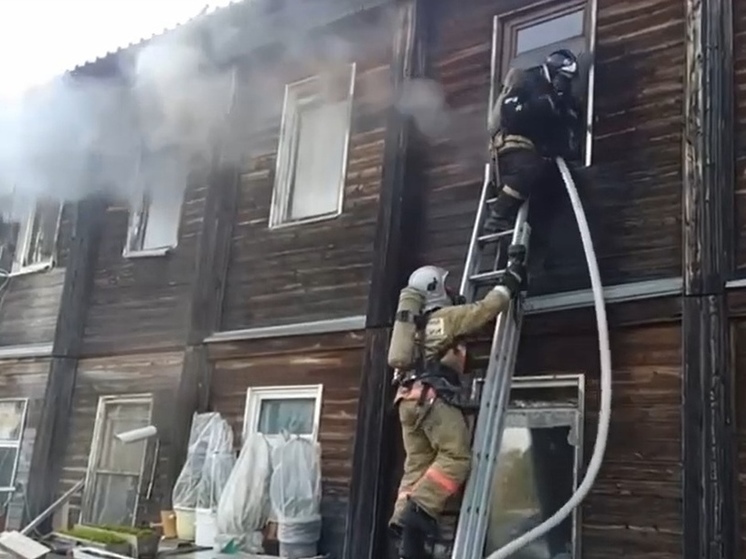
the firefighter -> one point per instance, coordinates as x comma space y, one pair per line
428, 341
535, 119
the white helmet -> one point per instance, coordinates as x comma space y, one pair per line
431, 281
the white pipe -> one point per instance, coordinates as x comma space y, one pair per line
604, 416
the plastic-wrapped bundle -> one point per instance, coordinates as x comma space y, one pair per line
295, 492
185, 490
218, 464
244, 505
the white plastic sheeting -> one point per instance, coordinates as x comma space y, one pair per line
209, 434
243, 509
218, 465
295, 491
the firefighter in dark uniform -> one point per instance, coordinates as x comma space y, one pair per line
435, 433
535, 119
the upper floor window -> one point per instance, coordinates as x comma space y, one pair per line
28, 238
530, 34
312, 152
156, 214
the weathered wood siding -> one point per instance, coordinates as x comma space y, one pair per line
29, 303
737, 310
632, 191
321, 270
23, 378
142, 303
156, 373
332, 360
739, 29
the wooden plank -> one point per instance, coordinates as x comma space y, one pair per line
397, 229
53, 428
710, 480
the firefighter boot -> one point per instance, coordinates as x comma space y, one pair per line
502, 213
417, 526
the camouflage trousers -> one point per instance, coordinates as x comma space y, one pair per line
438, 455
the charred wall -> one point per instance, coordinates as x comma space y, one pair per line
318, 270
155, 373
29, 303
140, 304
739, 51
331, 360
632, 192
23, 378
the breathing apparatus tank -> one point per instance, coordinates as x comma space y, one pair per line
403, 345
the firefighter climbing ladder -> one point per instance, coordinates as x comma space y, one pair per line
472, 522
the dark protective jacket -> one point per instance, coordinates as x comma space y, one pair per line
444, 328
530, 113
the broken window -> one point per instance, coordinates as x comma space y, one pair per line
312, 151
538, 466
28, 234
291, 409
156, 214
115, 468
529, 35
12, 421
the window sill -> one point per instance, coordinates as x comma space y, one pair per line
32, 269
147, 253
304, 221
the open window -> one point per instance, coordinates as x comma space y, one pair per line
12, 422
155, 214
115, 469
525, 37
272, 411
28, 233
312, 151
538, 465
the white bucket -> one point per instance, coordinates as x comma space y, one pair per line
184, 524
206, 527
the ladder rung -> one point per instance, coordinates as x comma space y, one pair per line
491, 237
485, 277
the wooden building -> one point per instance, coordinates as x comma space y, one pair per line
267, 296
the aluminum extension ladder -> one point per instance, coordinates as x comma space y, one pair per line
472, 523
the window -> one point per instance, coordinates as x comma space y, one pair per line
115, 469
312, 152
537, 468
28, 241
528, 35
156, 214
12, 422
292, 409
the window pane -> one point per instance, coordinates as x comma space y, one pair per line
551, 31
322, 137
11, 417
292, 415
115, 455
43, 233
114, 499
162, 224
533, 479
7, 464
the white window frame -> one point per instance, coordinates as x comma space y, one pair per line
294, 99
23, 242
256, 395
138, 219
96, 445
506, 21
17, 445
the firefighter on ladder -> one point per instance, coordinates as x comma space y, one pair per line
428, 352
534, 119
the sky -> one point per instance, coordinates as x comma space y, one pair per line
40, 39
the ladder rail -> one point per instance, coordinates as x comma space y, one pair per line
471, 529
471, 255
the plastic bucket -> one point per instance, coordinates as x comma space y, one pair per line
206, 527
184, 523
299, 540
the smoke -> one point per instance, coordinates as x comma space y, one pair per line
174, 100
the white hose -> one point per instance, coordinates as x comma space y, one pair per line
604, 416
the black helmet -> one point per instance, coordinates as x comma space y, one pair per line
560, 68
